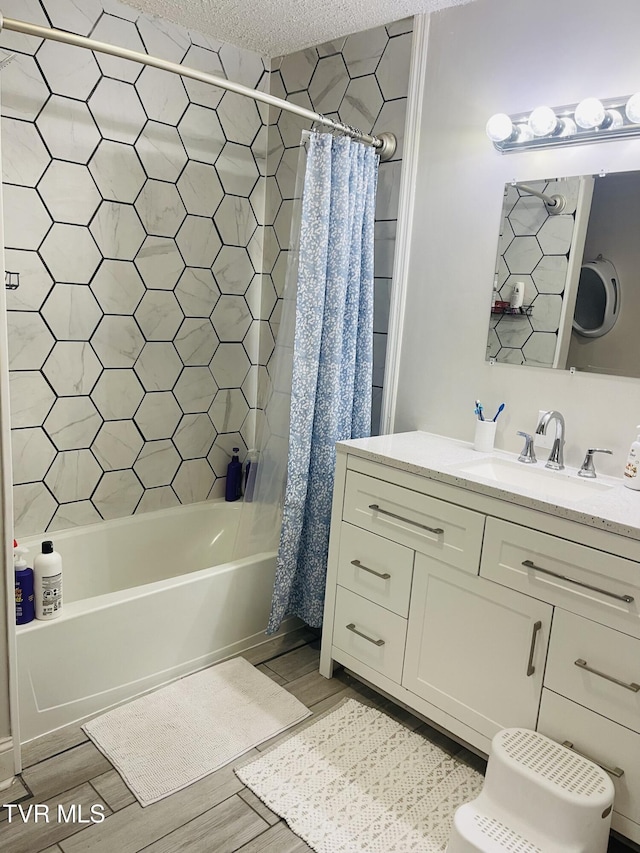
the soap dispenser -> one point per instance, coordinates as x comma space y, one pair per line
631, 476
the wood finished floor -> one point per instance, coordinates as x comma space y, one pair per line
216, 815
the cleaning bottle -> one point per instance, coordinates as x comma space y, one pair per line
47, 573
25, 608
631, 474
250, 473
233, 488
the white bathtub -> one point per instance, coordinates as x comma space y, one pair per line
146, 599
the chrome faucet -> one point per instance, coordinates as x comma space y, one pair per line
588, 468
556, 458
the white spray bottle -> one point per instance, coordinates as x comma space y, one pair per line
47, 576
631, 474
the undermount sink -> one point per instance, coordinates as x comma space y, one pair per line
549, 484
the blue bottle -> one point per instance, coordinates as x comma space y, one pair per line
25, 602
233, 488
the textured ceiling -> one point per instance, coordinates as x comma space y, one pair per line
277, 27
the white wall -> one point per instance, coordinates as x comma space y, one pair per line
505, 56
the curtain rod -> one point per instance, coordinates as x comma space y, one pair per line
385, 143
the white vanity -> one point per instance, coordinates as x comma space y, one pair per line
482, 605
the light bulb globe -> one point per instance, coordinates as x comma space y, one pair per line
632, 108
589, 113
568, 127
543, 121
523, 133
616, 118
499, 127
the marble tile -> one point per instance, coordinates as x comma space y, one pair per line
117, 445
513, 331
328, 84
527, 216
398, 28
158, 415
202, 59
194, 436
196, 341
120, 10
556, 234
113, 30
362, 51
31, 398
117, 394
231, 318
392, 118
193, 481
117, 171
379, 358
162, 94
27, 10
291, 126
233, 270
161, 150
160, 498
242, 66
160, 208
71, 71
330, 47
523, 254
506, 236
117, 341
70, 253
388, 193
381, 301
546, 313
31, 453
235, 221
159, 315
24, 91
539, 349
230, 365
198, 241
197, 292
72, 368
68, 129
239, 118
33, 509
163, 38
201, 134
156, 466
24, 157
296, 69
75, 514
361, 103
77, 16
159, 263
237, 169
257, 197
117, 494
228, 410
118, 231
29, 265
30, 342
73, 476
287, 173
29, 221
282, 223
158, 366
266, 343
550, 274
195, 389
392, 72
72, 423
117, 110
69, 193
118, 287
200, 188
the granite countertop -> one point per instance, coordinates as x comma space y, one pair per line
616, 509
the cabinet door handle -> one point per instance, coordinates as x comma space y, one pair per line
376, 508
612, 771
532, 650
385, 576
627, 686
352, 627
531, 565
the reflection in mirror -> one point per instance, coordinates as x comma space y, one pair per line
557, 298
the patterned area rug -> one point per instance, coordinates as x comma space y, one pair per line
169, 739
357, 781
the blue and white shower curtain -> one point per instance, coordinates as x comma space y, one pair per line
332, 360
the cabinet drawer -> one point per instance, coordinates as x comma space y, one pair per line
375, 568
382, 646
602, 741
613, 690
428, 525
577, 578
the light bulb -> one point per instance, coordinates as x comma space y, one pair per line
616, 118
589, 113
568, 127
633, 108
543, 121
499, 127
523, 132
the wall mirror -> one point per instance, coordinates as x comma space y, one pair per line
566, 290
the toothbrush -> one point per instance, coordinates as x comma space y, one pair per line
478, 410
500, 408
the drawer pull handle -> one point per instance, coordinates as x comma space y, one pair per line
612, 771
532, 650
376, 508
630, 686
352, 627
531, 565
385, 576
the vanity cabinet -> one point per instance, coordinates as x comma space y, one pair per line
481, 615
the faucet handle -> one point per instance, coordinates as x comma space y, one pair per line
588, 468
528, 454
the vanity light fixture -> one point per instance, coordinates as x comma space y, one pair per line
592, 120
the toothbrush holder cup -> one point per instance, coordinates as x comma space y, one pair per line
485, 436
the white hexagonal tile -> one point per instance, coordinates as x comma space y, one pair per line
113, 30
257, 197
393, 69
25, 10
523, 254
286, 175
32, 398
163, 38
33, 509
239, 118
195, 389
237, 169
159, 263
163, 95
70, 253
72, 312
29, 340
392, 118
24, 157
69, 193
74, 16
70, 71
28, 222
513, 333
117, 110
73, 476
30, 265
159, 315
75, 514
194, 481
117, 394
161, 151
231, 318
158, 415
228, 410
546, 313
282, 224
196, 341
201, 134
157, 464
72, 423
198, 241
72, 368
194, 436
117, 445
241, 66
68, 129
200, 188
161, 497
550, 274
290, 127
230, 365
117, 494
117, 341
539, 350
24, 91
118, 230
118, 287
117, 171
526, 217
233, 270
328, 84
296, 69
32, 453
203, 60
158, 366
235, 221
160, 208
362, 51
197, 292
361, 103
555, 235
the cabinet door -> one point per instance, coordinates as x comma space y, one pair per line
474, 648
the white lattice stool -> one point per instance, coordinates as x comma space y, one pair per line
538, 797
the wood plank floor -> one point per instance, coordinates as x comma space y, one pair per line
216, 815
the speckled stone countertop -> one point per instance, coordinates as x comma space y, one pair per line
616, 510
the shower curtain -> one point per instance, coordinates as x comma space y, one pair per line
330, 363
